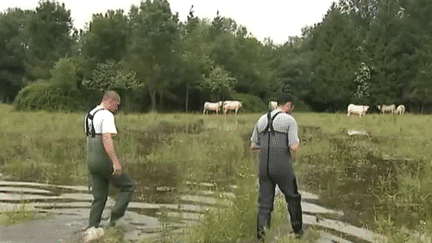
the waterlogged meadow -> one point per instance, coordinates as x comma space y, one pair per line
380, 181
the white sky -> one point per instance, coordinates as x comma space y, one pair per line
277, 19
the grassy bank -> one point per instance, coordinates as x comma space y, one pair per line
370, 178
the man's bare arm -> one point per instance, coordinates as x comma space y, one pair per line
109, 148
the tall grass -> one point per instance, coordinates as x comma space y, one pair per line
50, 147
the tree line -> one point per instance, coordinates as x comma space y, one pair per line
362, 52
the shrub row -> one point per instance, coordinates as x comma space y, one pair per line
43, 95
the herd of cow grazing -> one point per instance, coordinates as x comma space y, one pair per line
229, 105
362, 109
226, 105
352, 109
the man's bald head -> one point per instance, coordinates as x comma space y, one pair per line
111, 100
111, 95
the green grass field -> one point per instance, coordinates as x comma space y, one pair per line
373, 177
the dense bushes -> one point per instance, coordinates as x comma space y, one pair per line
43, 95
59, 93
251, 103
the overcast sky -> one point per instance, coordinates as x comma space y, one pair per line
277, 19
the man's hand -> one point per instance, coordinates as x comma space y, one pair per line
117, 169
294, 147
109, 148
254, 147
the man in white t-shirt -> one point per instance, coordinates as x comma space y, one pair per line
102, 161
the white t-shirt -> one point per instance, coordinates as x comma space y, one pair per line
103, 121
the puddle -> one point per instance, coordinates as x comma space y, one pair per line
359, 189
154, 183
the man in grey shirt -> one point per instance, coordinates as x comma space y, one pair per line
275, 136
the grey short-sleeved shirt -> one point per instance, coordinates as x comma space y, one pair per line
283, 122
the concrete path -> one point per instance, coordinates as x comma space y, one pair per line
68, 208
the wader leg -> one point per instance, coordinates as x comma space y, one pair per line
265, 208
295, 211
125, 186
293, 199
100, 195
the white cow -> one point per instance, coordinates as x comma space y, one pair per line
272, 105
357, 109
400, 110
212, 106
384, 108
231, 105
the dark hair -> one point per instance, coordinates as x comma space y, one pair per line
283, 99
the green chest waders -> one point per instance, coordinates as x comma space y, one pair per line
275, 169
100, 169
97, 159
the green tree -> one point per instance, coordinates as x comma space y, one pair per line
219, 83
105, 39
362, 12
12, 52
152, 45
111, 75
391, 52
336, 46
242, 55
49, 38
196, 52
294, 64
416, 33
59, 93
65, 74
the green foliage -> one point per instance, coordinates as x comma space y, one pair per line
12, 53
43, 95
106, 37
294, 69
361, 79
111, 75
196, 49
170, 57
152, 45
251, 103
423, 86
336, 42
219, 83
65, 73
60, 93
48, 33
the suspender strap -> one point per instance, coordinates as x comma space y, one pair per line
91, 130
270, 122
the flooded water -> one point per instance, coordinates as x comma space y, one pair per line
359, 181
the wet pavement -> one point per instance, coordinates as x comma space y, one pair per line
64, 211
